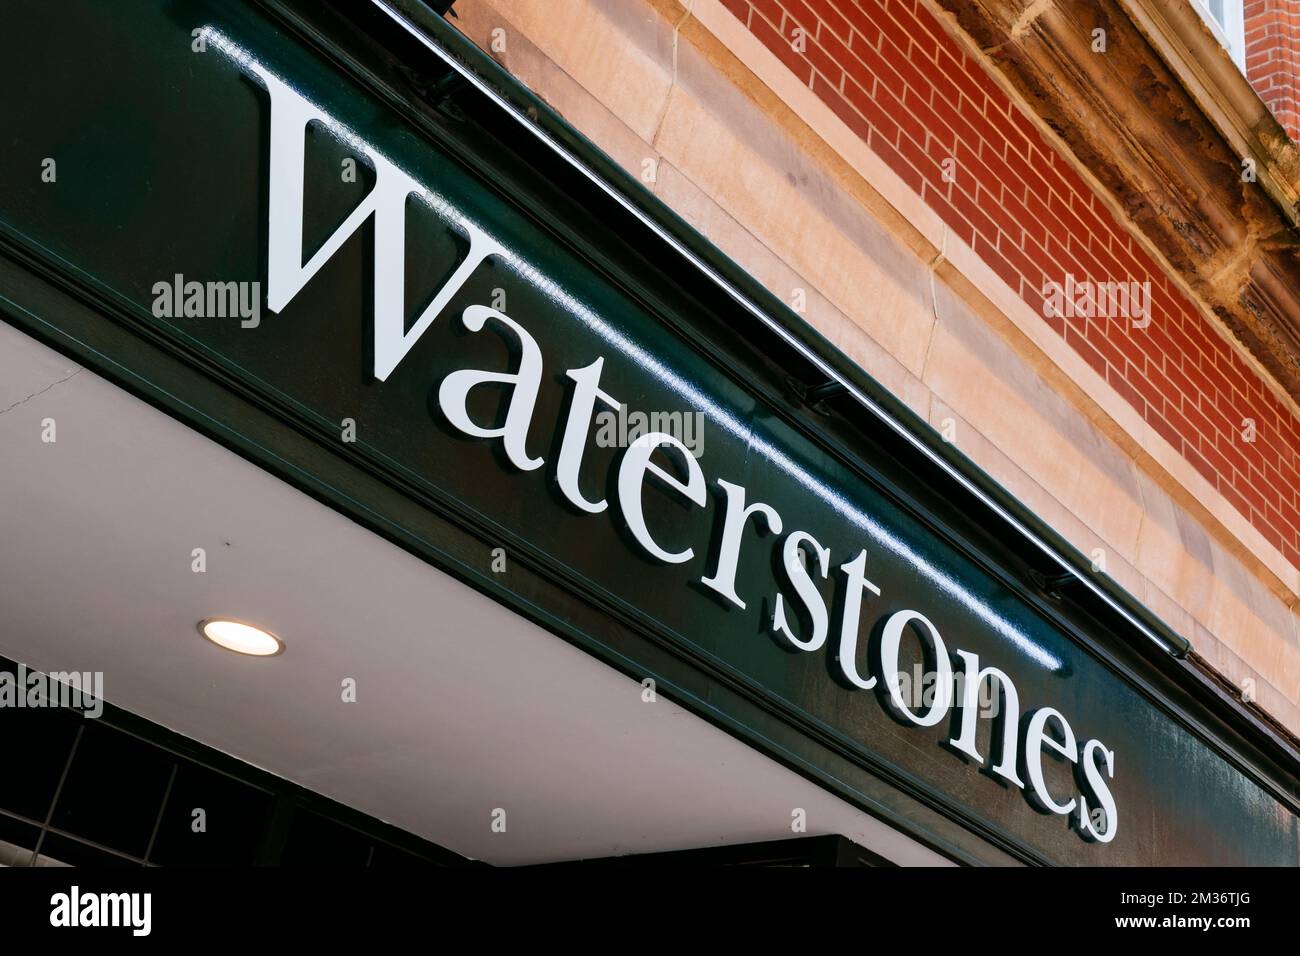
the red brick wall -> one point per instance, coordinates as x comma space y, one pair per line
889, 71
1272, 38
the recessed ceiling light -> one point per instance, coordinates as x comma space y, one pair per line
241, 638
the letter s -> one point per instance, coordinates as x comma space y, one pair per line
1094, 784
807, 591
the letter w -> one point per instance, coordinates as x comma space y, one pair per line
286, 273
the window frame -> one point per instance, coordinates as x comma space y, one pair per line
1231, 33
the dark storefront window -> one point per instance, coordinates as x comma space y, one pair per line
117, 790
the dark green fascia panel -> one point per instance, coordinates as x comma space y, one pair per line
155, 373
1055, 564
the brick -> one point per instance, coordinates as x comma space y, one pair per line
997, 114
894, 159
774, 41
825, 61
930, 121
907, 122
800, 14
1108, 338
865, 35
949, 214
870, 107
836, 23
739, 9
972, 171
1201, 465
841, 107
1124, 385
1222, 467
920, 158
1026, 172
954, 116
1166, 430
907, 70
892, 73
769, 10
973, 212
868, 67
1026, 266
1271, 36
1292, 553
878, 14
957, 70
987, 251
1085, 349
1007, 222
1032, 228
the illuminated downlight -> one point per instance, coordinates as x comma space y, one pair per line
241, 638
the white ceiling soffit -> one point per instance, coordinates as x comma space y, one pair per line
462, 706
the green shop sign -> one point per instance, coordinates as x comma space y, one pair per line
338, 240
